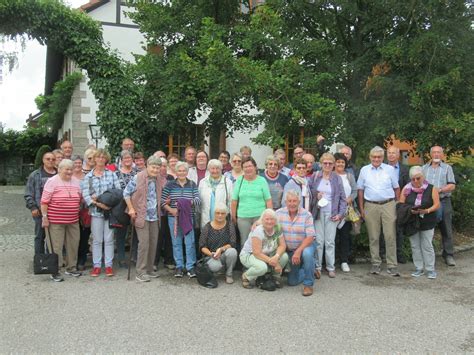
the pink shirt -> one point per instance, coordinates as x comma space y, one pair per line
63, 199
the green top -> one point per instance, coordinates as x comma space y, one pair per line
252, 196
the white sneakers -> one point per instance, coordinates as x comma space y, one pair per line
345, 267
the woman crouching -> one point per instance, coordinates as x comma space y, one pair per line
264, 250
217, 241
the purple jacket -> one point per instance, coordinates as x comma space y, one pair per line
338, 196
185, 217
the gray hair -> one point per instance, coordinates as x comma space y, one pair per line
181, 164
222, 207
394, 147
272, 157
58, 151
268, 212
125, 153
236, 154
280, 152
376, 150
214, 163
164, 161
65, 163
153, 161
76, 157
293, 193
416, 170
345, 147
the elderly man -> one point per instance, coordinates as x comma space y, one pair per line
127, 144
401, 171
298, 230
66, 147
441, 176
378, 192
311, 165
350, 166
190, 156
33, 191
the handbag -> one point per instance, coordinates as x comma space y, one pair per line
204, 275
351, 214
46, 263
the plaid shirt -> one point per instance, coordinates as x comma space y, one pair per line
296, 230
34, 189
439, 177
95, 185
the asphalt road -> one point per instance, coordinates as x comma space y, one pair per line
353, 313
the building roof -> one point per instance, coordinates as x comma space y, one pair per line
92, 5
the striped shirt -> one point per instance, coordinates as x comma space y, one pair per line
63, 199
439, 177
296, 230
174, 191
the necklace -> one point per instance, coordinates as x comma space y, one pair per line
66, 187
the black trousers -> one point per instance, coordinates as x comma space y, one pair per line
164, 247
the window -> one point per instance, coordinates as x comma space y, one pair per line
193, 135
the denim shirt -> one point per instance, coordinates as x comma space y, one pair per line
151, 198
95, 185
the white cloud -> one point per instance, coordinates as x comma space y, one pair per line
24, 83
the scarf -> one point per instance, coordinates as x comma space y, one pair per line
409, 188
213, 184
304, 190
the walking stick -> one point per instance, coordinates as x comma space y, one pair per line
131, 251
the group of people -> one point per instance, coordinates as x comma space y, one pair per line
282, 219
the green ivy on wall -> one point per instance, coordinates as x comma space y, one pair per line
55, 105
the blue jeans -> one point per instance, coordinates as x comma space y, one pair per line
177, 241
304, 272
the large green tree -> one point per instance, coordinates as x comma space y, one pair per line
403, 67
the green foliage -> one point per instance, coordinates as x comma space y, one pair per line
39, 155
463, 195
8, 141
24, 143
55, 106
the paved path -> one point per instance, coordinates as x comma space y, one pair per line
355, 312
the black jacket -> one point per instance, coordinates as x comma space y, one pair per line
406, 220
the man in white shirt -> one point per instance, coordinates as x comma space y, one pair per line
378, 192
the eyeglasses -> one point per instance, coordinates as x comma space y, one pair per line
236, 161
418, 178
301, 167
328, 163
50, 159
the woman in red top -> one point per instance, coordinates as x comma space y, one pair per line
60, 205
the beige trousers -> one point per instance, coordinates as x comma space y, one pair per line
383, 217
147, 241
65, 234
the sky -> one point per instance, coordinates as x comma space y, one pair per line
20, 87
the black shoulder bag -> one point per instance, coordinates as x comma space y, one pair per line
46, 263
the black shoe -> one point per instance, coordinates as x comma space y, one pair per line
191, 273
57, 277
73, 273
179, 273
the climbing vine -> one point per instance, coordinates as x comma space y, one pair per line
79, 38
55, 105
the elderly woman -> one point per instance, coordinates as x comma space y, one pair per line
179, 198
125, 174
139, 161
172, 160
329, 208
299, 182
224, 158
424, 199
213, 189
143, 195
276, 180
60, 204
350, 190
199, 172
164, 237
96, 182
58, 156
264, 250
77, 167
218, 242
236, 172
250, 197
89, 163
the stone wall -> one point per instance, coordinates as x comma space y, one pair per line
13, 171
